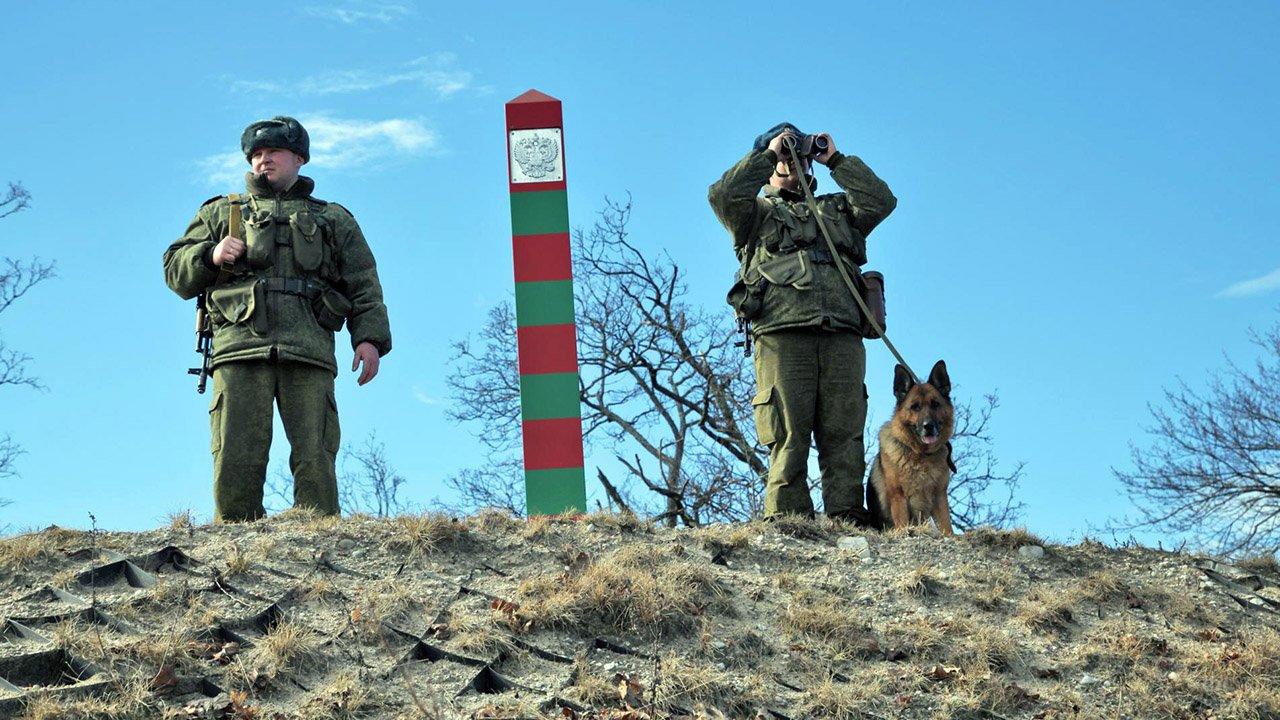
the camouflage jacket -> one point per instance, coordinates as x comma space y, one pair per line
777, 234
307, 268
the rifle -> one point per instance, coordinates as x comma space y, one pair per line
204, 325
204, 343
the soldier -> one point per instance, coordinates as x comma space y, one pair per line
275, 298
809, 359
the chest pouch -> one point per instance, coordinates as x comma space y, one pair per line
260, 237
794, 269
308, 243
746, 297
234, 303
332, 309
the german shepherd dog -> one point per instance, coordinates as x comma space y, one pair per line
909, 477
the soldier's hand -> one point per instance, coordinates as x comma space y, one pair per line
825, 157
776, 145
368, 354
228, 251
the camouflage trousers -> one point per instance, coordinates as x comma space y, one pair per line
810, 384
240, 421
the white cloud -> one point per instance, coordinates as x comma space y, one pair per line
223, 169
350, 13
437, 73
1254, 286
424, 398
336, 143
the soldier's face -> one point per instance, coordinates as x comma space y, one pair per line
783, 176
279, 165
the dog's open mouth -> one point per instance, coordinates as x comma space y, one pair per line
928, 435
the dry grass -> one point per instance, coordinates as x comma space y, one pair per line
635, 587
682, 684
379, 601
1102, 586
731, 536
345, 697
421, 535
238, 561
1047, 611
619, 522
182, 521
829, 620
131, 699
24, 551
1263, 563
921, 582
287, 647
480, 636
1011, 539
492, 520
827, 698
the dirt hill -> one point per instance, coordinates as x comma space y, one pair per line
608, 617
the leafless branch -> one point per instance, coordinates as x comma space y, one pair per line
1210, 471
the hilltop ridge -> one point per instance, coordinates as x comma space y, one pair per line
609, 617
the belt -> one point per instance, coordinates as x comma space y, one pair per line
293, 286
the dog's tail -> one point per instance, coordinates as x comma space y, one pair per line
875, 515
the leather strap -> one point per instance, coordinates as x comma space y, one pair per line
844, 274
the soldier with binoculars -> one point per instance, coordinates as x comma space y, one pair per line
809, 358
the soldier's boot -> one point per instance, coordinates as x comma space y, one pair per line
786, 377
309, 413
839, 424
240, 426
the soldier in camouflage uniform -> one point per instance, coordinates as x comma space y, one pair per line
809, 359
276, 297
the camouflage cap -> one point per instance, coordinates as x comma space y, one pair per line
280, 131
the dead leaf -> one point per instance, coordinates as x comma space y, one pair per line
630, 692
439, 631
356, 615
942, 673
164, 679
228, 651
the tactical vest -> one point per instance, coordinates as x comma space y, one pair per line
291, 249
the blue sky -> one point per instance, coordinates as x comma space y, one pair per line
1087, 201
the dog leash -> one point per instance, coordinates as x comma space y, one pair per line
839, 263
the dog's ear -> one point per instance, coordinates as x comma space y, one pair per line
902, 383
939, 379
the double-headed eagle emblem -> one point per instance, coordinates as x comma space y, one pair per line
537, 155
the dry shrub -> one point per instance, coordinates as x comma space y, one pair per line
182, 521
588, 688
1012, 539
979, 693
803, 527
422, 534
637, 587
829, 620
238, 561
1263, 563
1047, 611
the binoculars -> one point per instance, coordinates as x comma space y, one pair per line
806, 146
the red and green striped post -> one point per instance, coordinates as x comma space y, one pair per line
545, 332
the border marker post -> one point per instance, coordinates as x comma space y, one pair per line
551, 414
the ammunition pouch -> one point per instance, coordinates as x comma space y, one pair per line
259, 238
746, 298
308, 245
872, 289
794, 269
234, 303
331, 308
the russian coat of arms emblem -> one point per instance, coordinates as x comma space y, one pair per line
537, 154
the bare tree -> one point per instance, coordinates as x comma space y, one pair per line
366, 482
17, 278
665, 391
979, 492
662, 386
1210, 473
